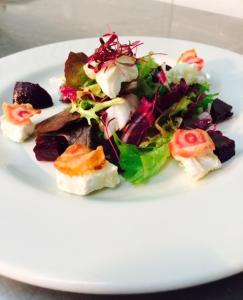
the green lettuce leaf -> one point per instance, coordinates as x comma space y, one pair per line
208, 98
139, 164
146, 86
205, 103
202, 87
181, 106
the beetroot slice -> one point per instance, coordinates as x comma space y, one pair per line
220, 111
224, 147
48, 147
27, 92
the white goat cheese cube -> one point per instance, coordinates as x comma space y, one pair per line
199, 166
118, 115
110, 79
16, 133
187, 71
87, 183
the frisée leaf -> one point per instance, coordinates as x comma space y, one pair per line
88, 109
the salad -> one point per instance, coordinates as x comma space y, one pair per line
124, 116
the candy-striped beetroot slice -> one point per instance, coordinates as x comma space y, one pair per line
19, 114
190, 143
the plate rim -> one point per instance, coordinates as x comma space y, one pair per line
104, 289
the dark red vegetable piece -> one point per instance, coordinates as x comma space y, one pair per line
140, 122
49, 147
174, 95
224, 147
27, 92
111, 150
196, 122
220, 111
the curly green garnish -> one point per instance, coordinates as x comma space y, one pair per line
88, 109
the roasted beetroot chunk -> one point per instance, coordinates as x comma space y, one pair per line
220, 111
48, 147
27, 92
224, 147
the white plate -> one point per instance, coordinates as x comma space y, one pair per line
164, 235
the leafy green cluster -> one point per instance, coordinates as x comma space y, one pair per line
168, 122
207, 97
139, 164
205, 103
146, 86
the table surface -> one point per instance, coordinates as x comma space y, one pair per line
29, 23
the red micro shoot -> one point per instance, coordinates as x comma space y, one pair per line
109, 50
106, 130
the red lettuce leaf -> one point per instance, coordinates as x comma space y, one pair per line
173, 95
68, 94
74, 72
140, 122
202, 121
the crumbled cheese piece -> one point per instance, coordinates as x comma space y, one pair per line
199, 166
187, 71
16, 133
111, 77
87, 183
90, 71
118, 115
